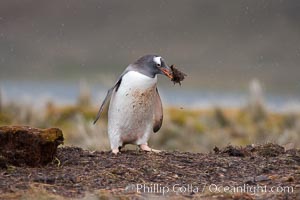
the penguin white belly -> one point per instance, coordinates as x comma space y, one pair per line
130, 114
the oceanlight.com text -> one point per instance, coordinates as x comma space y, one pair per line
213, 188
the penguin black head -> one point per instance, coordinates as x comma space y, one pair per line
151, 65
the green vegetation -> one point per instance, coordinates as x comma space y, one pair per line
183, 129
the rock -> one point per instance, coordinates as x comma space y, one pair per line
288, 179
31, 146
262, 178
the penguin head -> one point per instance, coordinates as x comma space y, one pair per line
151, 65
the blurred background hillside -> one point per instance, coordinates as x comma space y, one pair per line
58, 58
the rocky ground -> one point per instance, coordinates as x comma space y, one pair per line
252, 172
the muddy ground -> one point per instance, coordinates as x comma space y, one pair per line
78, 173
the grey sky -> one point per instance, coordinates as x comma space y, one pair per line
220, 44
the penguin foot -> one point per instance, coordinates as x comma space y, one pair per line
145, 147
115, 151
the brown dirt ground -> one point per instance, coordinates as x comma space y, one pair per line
77, 173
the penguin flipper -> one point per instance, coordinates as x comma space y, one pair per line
158, 112
108, 96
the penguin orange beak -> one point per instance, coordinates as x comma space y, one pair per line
167, 71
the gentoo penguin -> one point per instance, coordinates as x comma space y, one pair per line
135, 109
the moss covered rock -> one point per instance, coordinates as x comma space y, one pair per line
31, 146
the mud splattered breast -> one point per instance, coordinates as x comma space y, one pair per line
143, 99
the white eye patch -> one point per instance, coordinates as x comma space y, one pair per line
157, 60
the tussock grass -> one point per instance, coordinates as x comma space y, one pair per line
183, 129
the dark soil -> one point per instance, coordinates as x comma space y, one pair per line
178, 76
26, 145
76, 172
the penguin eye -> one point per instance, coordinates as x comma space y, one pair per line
157, 60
